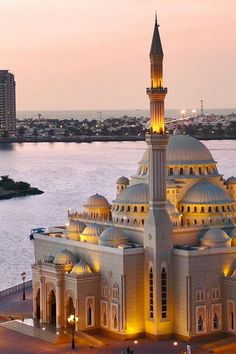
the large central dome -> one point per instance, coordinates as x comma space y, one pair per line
184, 150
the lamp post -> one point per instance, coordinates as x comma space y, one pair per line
23, 276
183, 111
72, 319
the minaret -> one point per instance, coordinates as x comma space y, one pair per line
158, 226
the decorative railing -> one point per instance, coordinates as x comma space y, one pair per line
16, 288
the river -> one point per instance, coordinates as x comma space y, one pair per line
67, 173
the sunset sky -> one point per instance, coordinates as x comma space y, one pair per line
93, 54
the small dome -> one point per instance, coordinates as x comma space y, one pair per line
64, 257
231, 180
91, 233
76, 226
112, 236
74, 229
96, 201
123, 180
135, 194
49, 259
81, 268
216, 238
205, 192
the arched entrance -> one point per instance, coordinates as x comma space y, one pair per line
70, 309
38, 304
52, 307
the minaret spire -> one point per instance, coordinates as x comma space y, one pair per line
157, 226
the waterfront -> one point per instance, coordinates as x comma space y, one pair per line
118, 113
68, 174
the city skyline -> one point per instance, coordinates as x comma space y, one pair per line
67, 57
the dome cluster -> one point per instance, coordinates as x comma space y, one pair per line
67, 260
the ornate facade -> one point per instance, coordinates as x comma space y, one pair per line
160, 259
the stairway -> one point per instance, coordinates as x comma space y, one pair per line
39, 333
48, 335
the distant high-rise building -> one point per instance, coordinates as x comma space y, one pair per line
7, 102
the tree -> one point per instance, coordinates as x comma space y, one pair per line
21, 131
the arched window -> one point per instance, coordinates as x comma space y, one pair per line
200, 170
188, 208
215, 322
115, 291
200, 293
209, 209
89, 315
151, 310
135, 209
202, 209
215, 291
89, 311
223, 208
207, 170
181, 171
171, 171
104, 321
195, 222
104, 289
163, 293
200, 327
232, 320
142, 209
182, 208
195, 209
191, 171
128, 208
122, 208
142, 222
114, 317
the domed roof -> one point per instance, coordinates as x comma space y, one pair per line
231, 180
205, 192
81, 268
135, 194
93, 230
215, 236
76, 226
97, 201
113, 233
184, 150
123, 180
64, 257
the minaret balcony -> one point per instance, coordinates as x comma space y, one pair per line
162, 90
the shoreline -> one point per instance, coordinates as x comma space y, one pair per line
91, 139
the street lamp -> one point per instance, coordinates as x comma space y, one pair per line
72, 319
183, 112
23, 276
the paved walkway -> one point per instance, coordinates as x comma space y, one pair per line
13, 342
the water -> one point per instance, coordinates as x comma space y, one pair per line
68, 173
100, 115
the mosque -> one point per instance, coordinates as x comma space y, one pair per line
160, 259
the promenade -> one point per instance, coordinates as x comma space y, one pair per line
13, 342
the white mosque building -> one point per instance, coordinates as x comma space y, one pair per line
158, 260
